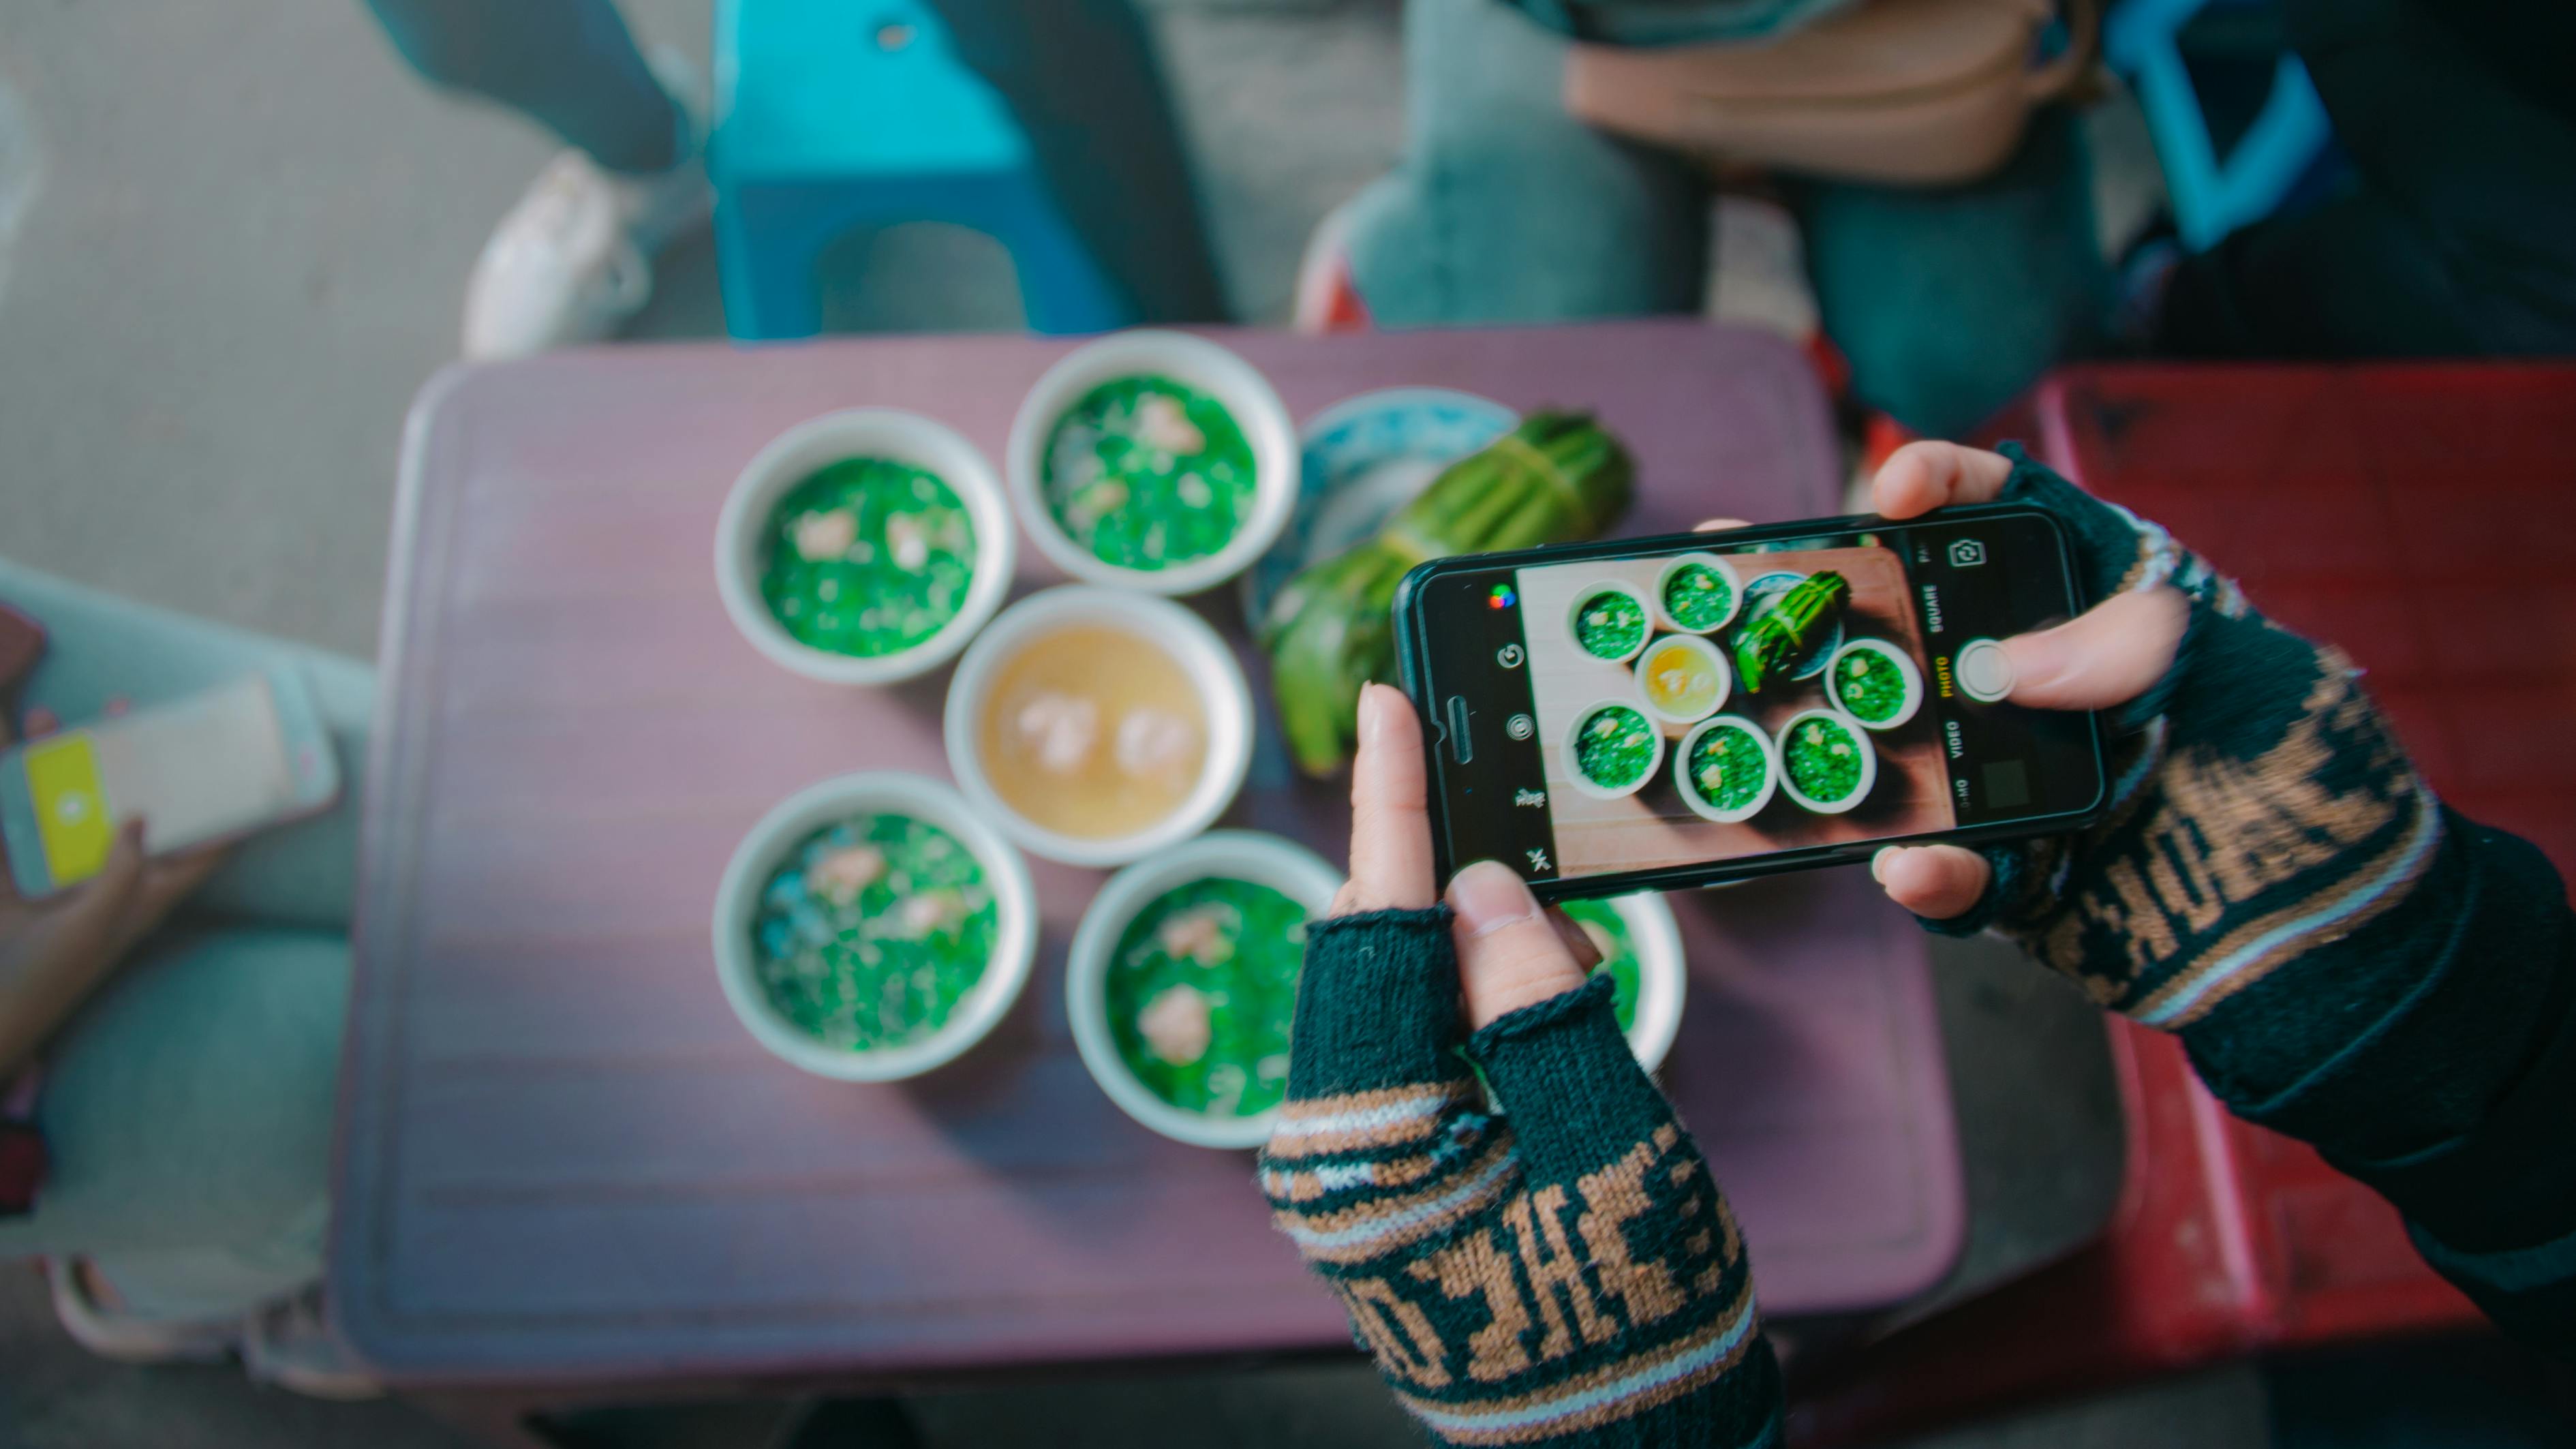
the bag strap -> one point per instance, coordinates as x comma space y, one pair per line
2083, 48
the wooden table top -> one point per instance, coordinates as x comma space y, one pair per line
560, 1156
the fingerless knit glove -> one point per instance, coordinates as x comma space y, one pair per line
2260, 806
1566, 1274
2346, 960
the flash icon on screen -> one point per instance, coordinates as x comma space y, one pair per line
1539, 863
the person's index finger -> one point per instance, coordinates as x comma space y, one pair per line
1920, 477
1390, 828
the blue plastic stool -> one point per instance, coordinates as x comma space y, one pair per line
2211, 199
832, 115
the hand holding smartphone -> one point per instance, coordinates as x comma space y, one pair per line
214, 766
1662, 713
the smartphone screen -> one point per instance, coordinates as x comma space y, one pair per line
1674, 711
197, 769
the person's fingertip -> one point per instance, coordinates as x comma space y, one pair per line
1489, 896
1878, 863
1935, 882
2108, 656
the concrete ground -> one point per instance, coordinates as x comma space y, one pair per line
232, 243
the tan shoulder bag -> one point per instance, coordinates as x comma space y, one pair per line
1913, 92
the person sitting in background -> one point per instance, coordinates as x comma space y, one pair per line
2347, 961
1947, 300
573, 260
170, 1029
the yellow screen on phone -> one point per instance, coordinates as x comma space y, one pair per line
73, 820
203, 768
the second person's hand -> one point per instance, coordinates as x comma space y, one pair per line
2113, 654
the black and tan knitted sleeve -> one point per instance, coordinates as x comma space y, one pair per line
2346, 959
1561, 1270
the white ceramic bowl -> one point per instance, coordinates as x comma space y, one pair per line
1015, 938
1223, 695
1877, 649
1716, 564
1574, 768
1661, 979
1675, 719
1646, 613
795, 455
1286, 867
1201, 364
1690, 792
1789, 787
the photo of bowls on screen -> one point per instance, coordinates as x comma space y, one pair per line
1718, 703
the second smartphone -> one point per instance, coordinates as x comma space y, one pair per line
1670, 712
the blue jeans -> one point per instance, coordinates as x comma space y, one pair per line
569, 65
1079, 75
187, 1108
1947, 302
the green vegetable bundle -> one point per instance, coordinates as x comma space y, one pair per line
1557, 478
1789, 627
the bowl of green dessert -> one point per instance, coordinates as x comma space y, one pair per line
864, 546
1153, 460
1640, 945
873, 927
1725, 769
1610, 621
1875, 683
1182, 983
1612, 749
1697, 593
1827, 764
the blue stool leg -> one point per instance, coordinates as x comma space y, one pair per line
765, 262
1061, 282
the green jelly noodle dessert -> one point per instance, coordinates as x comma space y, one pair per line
1822, 760
1869, 686
1726, 767
867, 557
1608, 929
872, 930
1614, 747
1610, 625
1146, 472
1201, 991
1697, 596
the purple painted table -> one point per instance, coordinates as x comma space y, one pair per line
561, 1158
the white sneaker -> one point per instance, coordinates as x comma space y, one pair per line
112, 1333
291, 1345
573, 258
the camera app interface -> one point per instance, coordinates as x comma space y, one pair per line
1711, 703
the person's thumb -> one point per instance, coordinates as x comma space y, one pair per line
1509, 952
2113, 653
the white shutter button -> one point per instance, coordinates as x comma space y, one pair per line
1985, 671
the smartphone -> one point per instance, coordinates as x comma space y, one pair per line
1663, 713
243, 755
